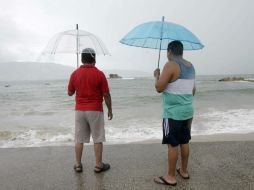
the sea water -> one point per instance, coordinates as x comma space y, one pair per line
40, 113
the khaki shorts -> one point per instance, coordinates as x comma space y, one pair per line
89, 122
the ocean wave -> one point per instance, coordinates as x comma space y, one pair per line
35, 138
134, 133
236, 121
5, 135
213, 121
134, 130
126, 78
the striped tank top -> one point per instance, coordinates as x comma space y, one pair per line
177, 97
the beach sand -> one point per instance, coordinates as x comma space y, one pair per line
212, 165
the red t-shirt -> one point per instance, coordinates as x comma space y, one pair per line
89, 83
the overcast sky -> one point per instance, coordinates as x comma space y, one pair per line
225, 27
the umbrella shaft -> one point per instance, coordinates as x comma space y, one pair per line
159, 59
77, 60
159, 55
77, 43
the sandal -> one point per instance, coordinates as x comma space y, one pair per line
103, 168
162, 181
78, 168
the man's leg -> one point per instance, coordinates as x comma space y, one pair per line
184, 159
82, 134
78, 151
172, 159
170, 178
98, 149
169, 138
185, 147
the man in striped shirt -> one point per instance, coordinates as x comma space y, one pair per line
177, 85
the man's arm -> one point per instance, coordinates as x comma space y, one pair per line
71, 88
162, 80
108, 102
70, 93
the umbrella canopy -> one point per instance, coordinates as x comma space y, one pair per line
74, 41
158, 34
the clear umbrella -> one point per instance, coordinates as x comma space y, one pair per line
74, 41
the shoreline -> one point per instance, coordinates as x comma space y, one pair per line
226, 137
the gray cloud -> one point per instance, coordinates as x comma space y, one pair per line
225, 27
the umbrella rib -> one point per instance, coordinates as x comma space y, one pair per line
96, 38
56, 44
192, 46
145, 41
156, 43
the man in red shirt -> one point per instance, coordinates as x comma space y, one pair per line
91, 87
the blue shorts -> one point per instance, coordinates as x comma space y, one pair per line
176, 132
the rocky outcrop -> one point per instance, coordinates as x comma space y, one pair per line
237, 79
232, 79
249, 80
114, 76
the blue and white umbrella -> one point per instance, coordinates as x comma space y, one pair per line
158, 34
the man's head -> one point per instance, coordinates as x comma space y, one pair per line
175, 48
88, 56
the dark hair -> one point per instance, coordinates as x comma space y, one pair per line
88, 58
176, 47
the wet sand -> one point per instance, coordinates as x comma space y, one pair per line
212, 165
210, 138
